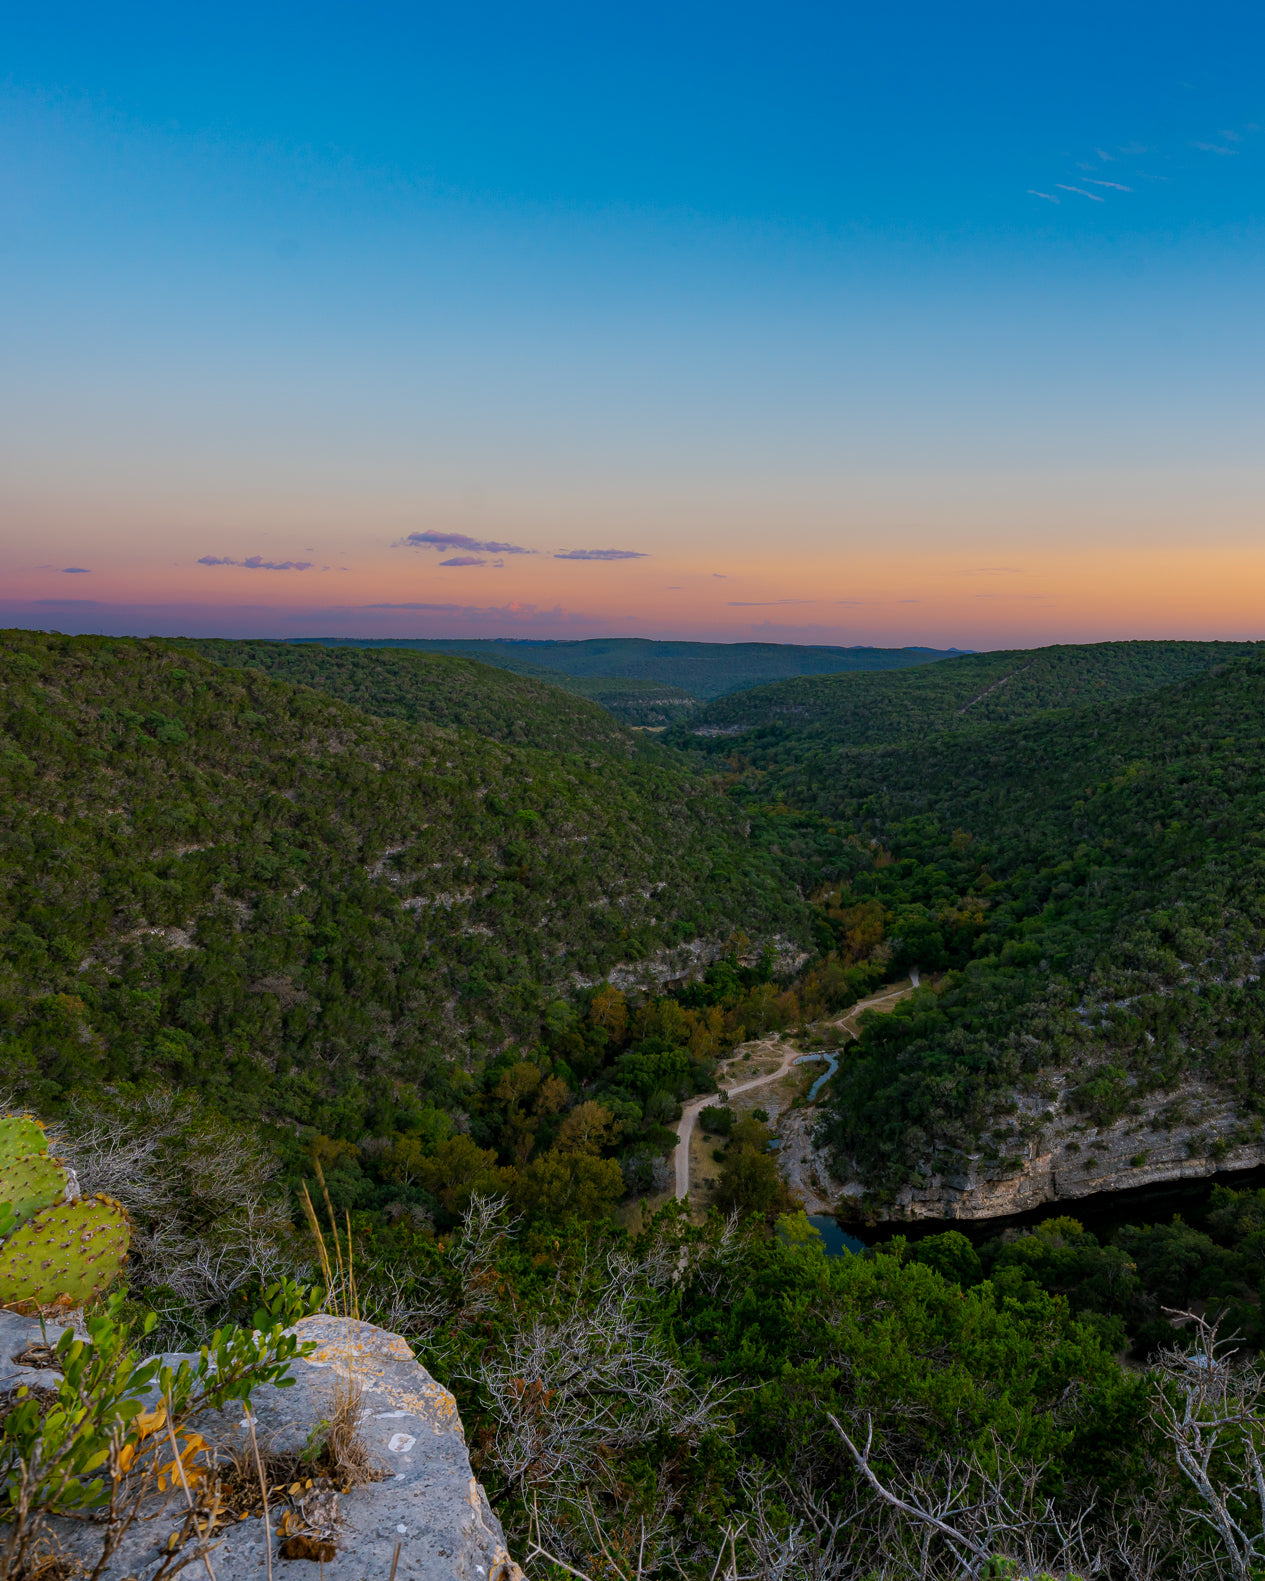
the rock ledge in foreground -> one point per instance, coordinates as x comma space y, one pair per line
429, 1501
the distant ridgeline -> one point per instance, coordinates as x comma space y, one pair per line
651, 683
243, 886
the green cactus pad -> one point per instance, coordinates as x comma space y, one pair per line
20, 1135
31, 1183
66, 1255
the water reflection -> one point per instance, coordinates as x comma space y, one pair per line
836, 1238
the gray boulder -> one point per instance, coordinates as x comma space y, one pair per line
427, 1501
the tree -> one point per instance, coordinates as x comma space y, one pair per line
749, 1179
563, 1185
458, 1169
609, 1011
587, 1129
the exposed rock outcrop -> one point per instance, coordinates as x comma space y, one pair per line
428, 1501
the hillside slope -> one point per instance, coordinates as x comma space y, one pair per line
435, 689
778, 725
220, 880
1094, 880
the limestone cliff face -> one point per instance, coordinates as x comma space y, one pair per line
1049, 1153
1053, 1154
427, 1499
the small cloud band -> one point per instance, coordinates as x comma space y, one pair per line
459, 540
602, 554
257, 562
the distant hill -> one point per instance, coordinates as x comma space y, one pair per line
224, 881
701, 669
436, 689
796, 721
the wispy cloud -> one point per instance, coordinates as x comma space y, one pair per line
464, 559
257, 562
459, 540
74, 570
1092, 196
766, 603
602, 554
1113, 184
1215, 148
62, 602
720, 576
1048, 196
1107, 159
513, 612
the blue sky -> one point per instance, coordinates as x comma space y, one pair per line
830, 309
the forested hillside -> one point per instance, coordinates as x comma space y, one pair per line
309, 915
650, 704
435, 689
781, 726
1093, 879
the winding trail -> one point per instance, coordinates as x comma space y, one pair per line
691, 1111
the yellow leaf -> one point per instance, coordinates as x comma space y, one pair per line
150, 1421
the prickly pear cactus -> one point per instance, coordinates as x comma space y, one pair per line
31, 1183
20, 1134
53, 1252
66, 1255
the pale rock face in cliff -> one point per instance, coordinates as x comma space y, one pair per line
428, 1501
1187, 1133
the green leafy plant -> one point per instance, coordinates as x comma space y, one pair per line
96, 1448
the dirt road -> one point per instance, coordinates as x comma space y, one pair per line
685, 1125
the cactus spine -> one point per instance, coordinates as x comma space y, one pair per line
55, 1250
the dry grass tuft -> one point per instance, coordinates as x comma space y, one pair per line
346, 1456
305, 1547
47, 1563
